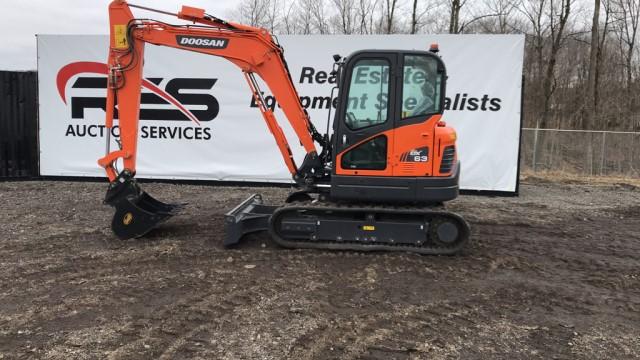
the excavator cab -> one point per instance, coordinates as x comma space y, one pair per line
389, 142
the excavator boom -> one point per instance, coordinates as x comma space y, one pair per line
253, 50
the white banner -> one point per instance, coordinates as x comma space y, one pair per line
222, 136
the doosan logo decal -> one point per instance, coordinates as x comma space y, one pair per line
176, 93
202, 42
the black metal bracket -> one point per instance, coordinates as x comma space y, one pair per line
249, 216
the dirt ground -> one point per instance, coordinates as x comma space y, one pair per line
552, 274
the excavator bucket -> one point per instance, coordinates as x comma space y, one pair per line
137, 212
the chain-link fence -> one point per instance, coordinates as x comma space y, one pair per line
581, 152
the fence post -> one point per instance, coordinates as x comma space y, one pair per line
590, 153
535, 147
604, 137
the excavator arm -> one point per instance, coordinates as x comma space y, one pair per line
253, 50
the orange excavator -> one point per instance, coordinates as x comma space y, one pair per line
380, 178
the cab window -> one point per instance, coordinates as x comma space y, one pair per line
368, 94
421, 86
370, 155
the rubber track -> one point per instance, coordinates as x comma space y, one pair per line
427, 248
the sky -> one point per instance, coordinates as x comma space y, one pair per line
21, 20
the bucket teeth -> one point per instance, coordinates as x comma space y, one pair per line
137, 212
159, 207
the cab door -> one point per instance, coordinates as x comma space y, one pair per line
364, 121
420, 108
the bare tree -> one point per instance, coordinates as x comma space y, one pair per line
558, 17
479, 12
455, 6
303, 16
292, 19
315, 12
252, 12
272, 15
390, 10
533, 10
589, 116
599, 57
414, 17
365, 13
417, 15
627, 13
501, 12
345, 15
548, 19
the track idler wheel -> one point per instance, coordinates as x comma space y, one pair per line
447, 232
137, 212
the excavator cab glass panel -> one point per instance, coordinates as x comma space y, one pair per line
421, 86
370, 155
368, 94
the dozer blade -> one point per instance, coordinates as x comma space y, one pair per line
137, 212
250, 216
